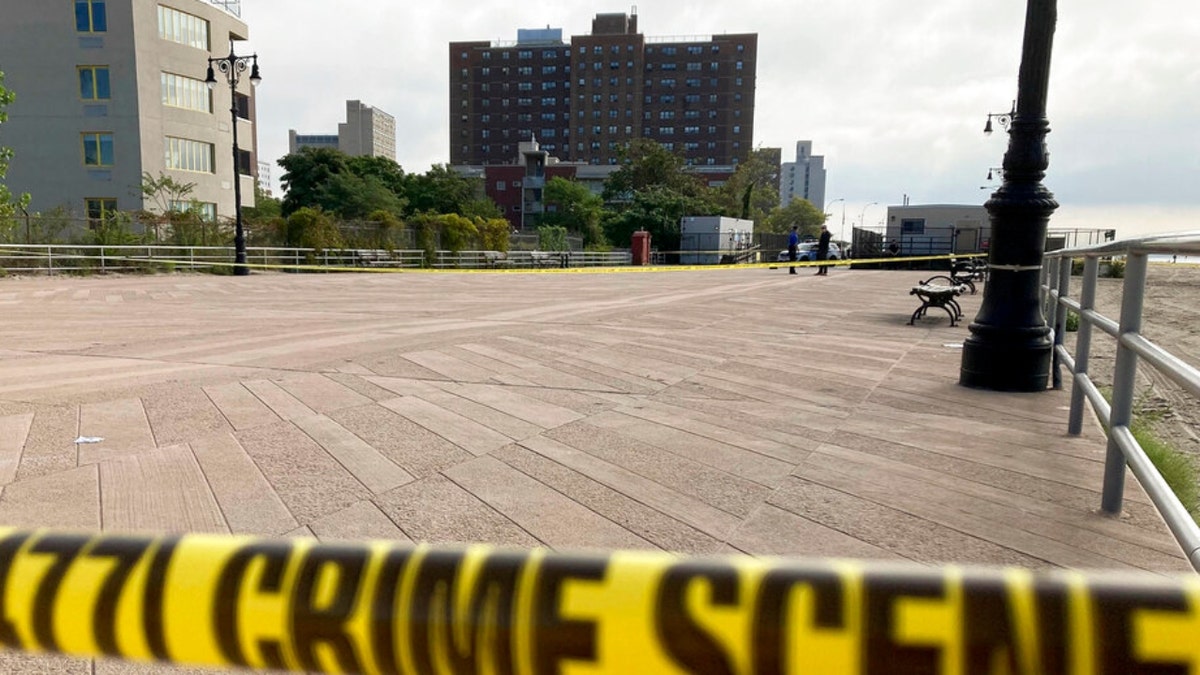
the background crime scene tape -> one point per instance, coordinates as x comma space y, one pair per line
382, 608
521, 270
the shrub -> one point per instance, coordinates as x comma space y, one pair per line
311, 228
1072, 322
1114, 270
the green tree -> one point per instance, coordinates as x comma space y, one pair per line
645, 164
657, 210
9, 204
576, 208
752, 192
353, 197
387, 172
439, 191
801, 213
307, 175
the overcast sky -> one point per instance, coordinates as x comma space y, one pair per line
893, 93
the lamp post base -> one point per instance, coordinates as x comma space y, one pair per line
1017, 361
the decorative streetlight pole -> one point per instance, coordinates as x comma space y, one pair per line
842, 231
1009, 348
862, 216
233, 66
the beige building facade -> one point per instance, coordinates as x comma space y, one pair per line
109, 90
367, 131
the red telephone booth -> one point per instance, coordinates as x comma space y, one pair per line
640, 246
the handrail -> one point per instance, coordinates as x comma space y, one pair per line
100, 257
1123, 449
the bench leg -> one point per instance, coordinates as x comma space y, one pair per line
953, 317
917, 314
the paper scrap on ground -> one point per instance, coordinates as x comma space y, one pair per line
89, 439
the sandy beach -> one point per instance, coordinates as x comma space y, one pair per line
1171, 319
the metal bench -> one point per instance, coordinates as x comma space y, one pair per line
375, 258
938, 295
967, 272
550, 258
495, 259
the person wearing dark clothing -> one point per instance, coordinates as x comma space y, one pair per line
823, 250
793, 248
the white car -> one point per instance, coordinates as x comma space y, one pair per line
807, 251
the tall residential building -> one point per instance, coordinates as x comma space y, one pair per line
366, 131
803, 178
108, 90
585, 99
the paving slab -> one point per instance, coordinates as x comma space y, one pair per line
247, 499
158, 491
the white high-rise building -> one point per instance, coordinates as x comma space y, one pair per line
803, 178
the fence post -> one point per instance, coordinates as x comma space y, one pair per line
49, 261
1124, 381
1060, 316
1083, 341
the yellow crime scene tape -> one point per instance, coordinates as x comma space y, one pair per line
378, 607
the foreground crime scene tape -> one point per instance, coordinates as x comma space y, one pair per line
381, 608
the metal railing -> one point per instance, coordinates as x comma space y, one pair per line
1123, 449
88, 258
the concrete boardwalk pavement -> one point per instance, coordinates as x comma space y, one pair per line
731, 411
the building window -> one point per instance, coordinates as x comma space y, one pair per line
90, 16
183, 154
93, 83
525, 54
245, 162
183, 28
912, 226
97, 148
207, 211
189, 93
99, 209
241, 103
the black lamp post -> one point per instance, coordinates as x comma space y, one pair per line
1009, 348
233, 66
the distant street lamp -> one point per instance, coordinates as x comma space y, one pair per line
863, 215
1009, 348
842, 230
233, 66
1003, 119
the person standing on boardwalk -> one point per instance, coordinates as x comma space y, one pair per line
823, 250
793, 248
